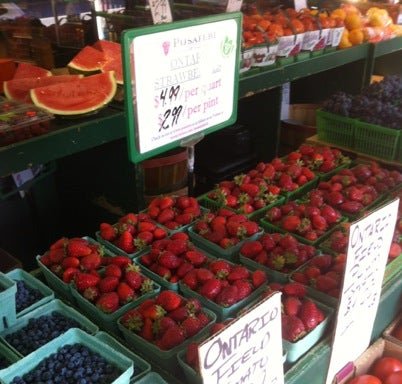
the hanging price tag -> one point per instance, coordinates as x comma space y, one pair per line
161, 12
249, 350
369, 242
234, 5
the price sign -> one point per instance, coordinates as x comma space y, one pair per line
247, 351
180, 79
369, 243
300, 4
234, 5
160, 11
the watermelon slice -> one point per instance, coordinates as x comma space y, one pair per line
114, 65
88, 59
18, 89
25, 70
77, 97
109, 48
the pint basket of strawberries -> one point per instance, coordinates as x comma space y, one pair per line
162, 326
224, 287
104, 295
222, 233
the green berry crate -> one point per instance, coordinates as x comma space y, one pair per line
159, 279
31, 281
210, 204
392, 268
271, 228
165, 359
222, 313
62, 289
302, 56
8, 354
72, 336
301, 190
335, 129
398, 156
151, 378
231, 254
8, 289
141, 367
300, 347
375, 140
116, 250
46, 309
108, 321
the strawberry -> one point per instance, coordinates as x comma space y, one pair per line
153, 312
69, 274
172, 337
258, 278
238, 272
168, 300
250, 249
166, 215
193, 305
319, 223
107, 231
162, 271
211, 288
191, 326
85, 280
190, 279
125, 242
56, 255
108, 284
166, 202
132, 320
159, 233
133, 278
91, 294
203, 275
179, 314
125, 292
291, 305
70, 262
291, 223
395, 250
227, 296
146, 226
309, 315
325, 283
78, 247
91, 261
294, 289
195, 257
169, 260
146, 331
120, 261
180, 236
293, 328
323, 262
192, 357
220, 268
113, 270
351, 206
244, 288
108, 302
183, 269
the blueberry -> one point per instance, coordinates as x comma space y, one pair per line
26, 296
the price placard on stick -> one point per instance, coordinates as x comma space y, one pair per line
180, 78
369, 242
247, 351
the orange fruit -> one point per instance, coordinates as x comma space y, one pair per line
353, 21
338, 13
356, 36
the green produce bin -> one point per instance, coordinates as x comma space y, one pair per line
8, 355
8, 289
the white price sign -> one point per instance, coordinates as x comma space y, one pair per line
160, 11
247, 351
369, 242
184, 81
234, 5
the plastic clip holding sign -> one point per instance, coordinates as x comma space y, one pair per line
180, 79
249, 350
369, 242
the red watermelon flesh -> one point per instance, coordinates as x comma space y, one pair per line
77, 97
116, 66
25, 70
88, 59
110, 49
18, 89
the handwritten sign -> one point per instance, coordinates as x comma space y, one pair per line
369, 243
160, 11
247, 351
234, 5
183, 80
300, 4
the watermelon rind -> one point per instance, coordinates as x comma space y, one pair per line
88, 59
25, 70
110, 49
18, 89
82, 96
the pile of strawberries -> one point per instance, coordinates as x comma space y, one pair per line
119, 283
324, 273
350, 190
224, 283
300, 314
173, 257
166, 320
225, 228
280, 252
321, 159
309, 219
66, 257
174, 212
132, 233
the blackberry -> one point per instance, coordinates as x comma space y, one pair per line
73, 363
39, 331
26, 296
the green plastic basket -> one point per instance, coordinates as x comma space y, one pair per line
151, 378
191, 375
72, 336
300, 347
31, 281
9, 355
302, 190
230, 254
46, 309
141, 367
335, 129
398, 156
164, 359
8, 314
221, 312
108, 321
302, 56
375, 140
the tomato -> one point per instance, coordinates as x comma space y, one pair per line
384, 366
394, 378
397, 332
365, 379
